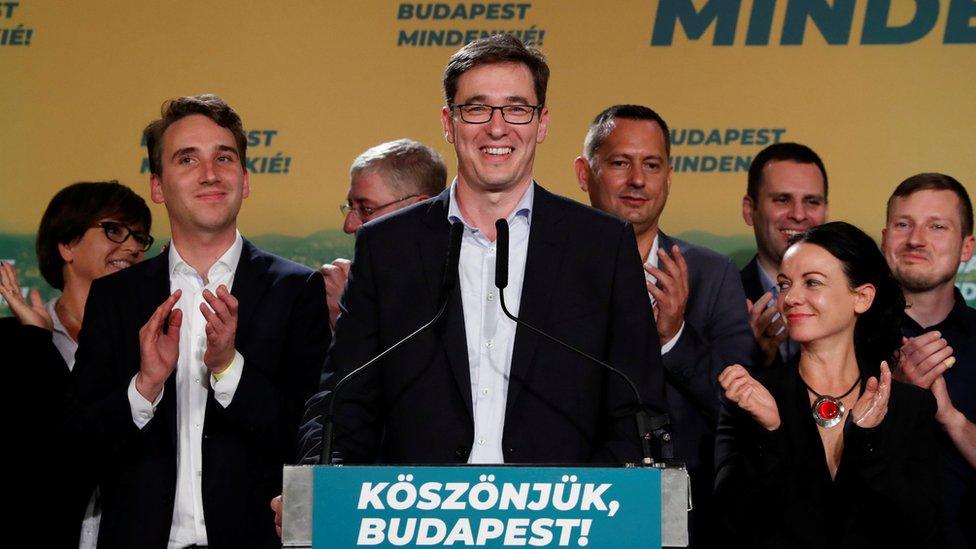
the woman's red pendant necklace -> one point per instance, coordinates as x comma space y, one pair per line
828, 410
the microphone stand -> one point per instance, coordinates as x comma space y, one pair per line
646, 427
450, 278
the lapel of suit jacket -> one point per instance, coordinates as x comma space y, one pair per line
249, 286
433, 252
664, 242
751, 281
157, 285
543, 264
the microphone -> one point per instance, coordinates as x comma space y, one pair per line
447, 286
646, 426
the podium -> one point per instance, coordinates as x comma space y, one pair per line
485, 506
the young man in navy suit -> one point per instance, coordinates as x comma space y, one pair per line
193, 368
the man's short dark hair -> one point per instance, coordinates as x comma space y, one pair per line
936, 182
782, 151
208, 105
77, 208
409, 166
497, 48
605, 122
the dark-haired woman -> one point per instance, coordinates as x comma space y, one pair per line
829, 452
88, 230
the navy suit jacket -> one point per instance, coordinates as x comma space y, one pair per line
716, 334
751, 282
282, 334
582, 283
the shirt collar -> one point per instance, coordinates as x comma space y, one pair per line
652, 255
522, 210
957, 315
768, 284
959, 310
56, 324
228, 261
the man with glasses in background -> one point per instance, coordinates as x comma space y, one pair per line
382, 180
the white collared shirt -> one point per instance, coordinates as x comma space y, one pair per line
652, 260
192, 383
489, 333
66, 346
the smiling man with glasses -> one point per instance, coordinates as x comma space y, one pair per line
478, 389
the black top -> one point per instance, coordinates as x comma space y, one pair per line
775, 489
45, 468
959, 478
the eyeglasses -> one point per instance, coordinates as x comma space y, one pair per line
365, 211
476, 113
119, 233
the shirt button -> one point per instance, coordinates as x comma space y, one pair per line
491, 296
488, 344
484, 391
481, 442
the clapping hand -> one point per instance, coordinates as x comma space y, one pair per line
670, 293
923, 358
768, 328
750, 395
29, 314
336, 274
221, 328
871, 408
159, 351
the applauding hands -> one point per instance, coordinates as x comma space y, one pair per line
750, 395
29, 314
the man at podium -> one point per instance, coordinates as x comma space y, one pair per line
476, 387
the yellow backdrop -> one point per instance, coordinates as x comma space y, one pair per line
318, 82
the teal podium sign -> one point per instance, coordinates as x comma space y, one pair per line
491, 506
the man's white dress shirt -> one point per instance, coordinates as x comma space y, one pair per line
490, 334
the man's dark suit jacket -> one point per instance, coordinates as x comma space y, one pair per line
716, 334
583, 283
752, 284
282, 334
776, 491
751, 281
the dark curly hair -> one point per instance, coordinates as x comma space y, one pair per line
877, 333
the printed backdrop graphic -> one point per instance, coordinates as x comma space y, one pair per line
882, 89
